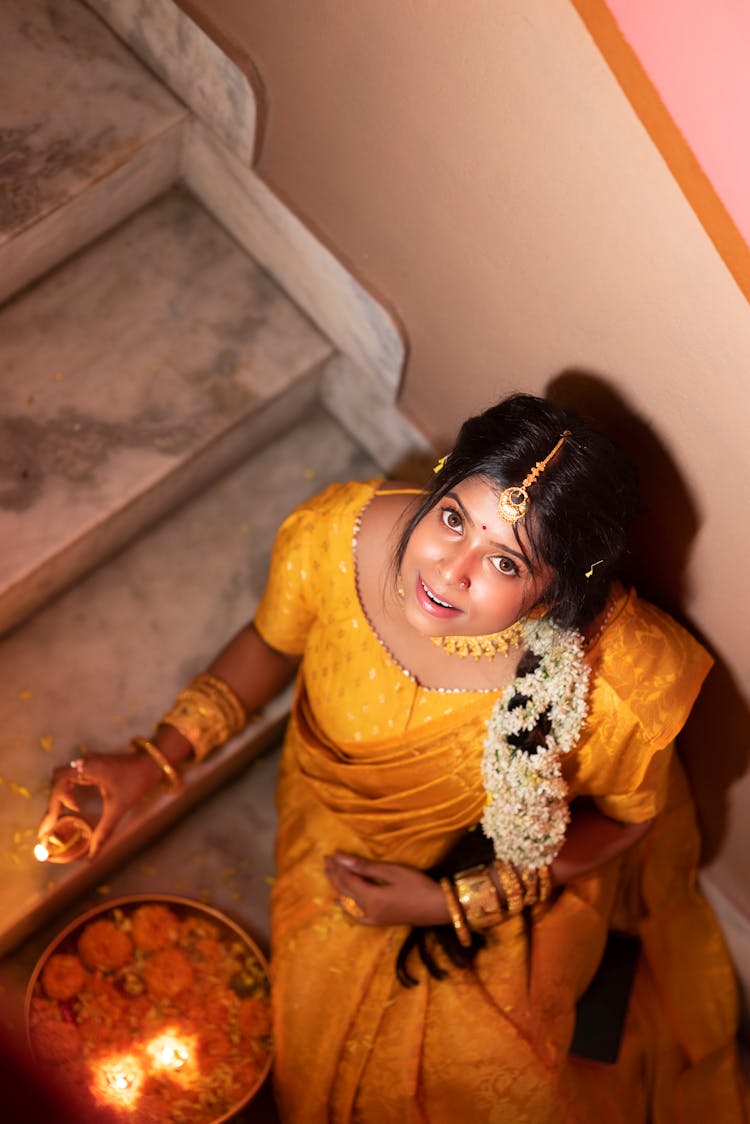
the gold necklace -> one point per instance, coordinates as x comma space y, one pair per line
497, 643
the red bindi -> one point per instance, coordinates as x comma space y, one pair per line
484, 526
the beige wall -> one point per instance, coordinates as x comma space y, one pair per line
477, 166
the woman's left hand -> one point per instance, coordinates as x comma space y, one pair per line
386, 893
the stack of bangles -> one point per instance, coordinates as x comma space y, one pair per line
476, 900
207, 713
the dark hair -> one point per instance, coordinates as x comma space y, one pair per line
579, 509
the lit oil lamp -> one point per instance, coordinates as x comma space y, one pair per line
69, 840
118, 1080
170, 1052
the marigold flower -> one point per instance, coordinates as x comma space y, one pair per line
103, 945
254, 1018
154, 927
56, 1042
63, 977
214, 1046
167, 973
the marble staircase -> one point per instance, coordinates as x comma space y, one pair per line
161, 411
87, 135
102, 661
132, 375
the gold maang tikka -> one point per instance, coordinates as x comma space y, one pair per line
497, 643
514, 501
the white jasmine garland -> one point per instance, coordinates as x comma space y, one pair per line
527, 807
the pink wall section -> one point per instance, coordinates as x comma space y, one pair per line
695, 52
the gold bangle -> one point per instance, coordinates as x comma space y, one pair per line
457, 918
233, 708
529, 878
545, 883
156, 755
478, 897
511, 887
207, 713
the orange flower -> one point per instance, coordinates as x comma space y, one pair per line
154, 927
56, 1042
167, 973
254, 1019
214, 1046
209, 950
63, 976
210, 1005
41, 1008
103, 945
156, 1105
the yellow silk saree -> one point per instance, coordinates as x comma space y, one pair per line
379, 766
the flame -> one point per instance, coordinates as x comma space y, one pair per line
171, 1051
55, 845
119, 1079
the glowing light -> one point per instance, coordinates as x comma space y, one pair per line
54, 846
119, 1080
67, 842
169, 1051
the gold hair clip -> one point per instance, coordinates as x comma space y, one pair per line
590, 573
441, 464
514, 501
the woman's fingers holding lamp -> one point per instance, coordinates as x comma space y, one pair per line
61, 797
121, 779
109, 817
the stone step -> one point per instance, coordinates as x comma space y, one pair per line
87, 135
103, 661
130, 376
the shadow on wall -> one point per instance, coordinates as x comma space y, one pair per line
712, 744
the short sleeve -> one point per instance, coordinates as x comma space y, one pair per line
646, 677
645, 801
287, 608
306, 564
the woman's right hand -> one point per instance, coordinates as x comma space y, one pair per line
121, 778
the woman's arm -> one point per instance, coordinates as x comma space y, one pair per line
390, 894
254, 671
591, 840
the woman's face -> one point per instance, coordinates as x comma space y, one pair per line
463, 571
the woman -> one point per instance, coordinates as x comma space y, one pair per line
426, 968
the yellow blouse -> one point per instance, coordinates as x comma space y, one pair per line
647, 670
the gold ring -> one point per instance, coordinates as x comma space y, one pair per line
352, 907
